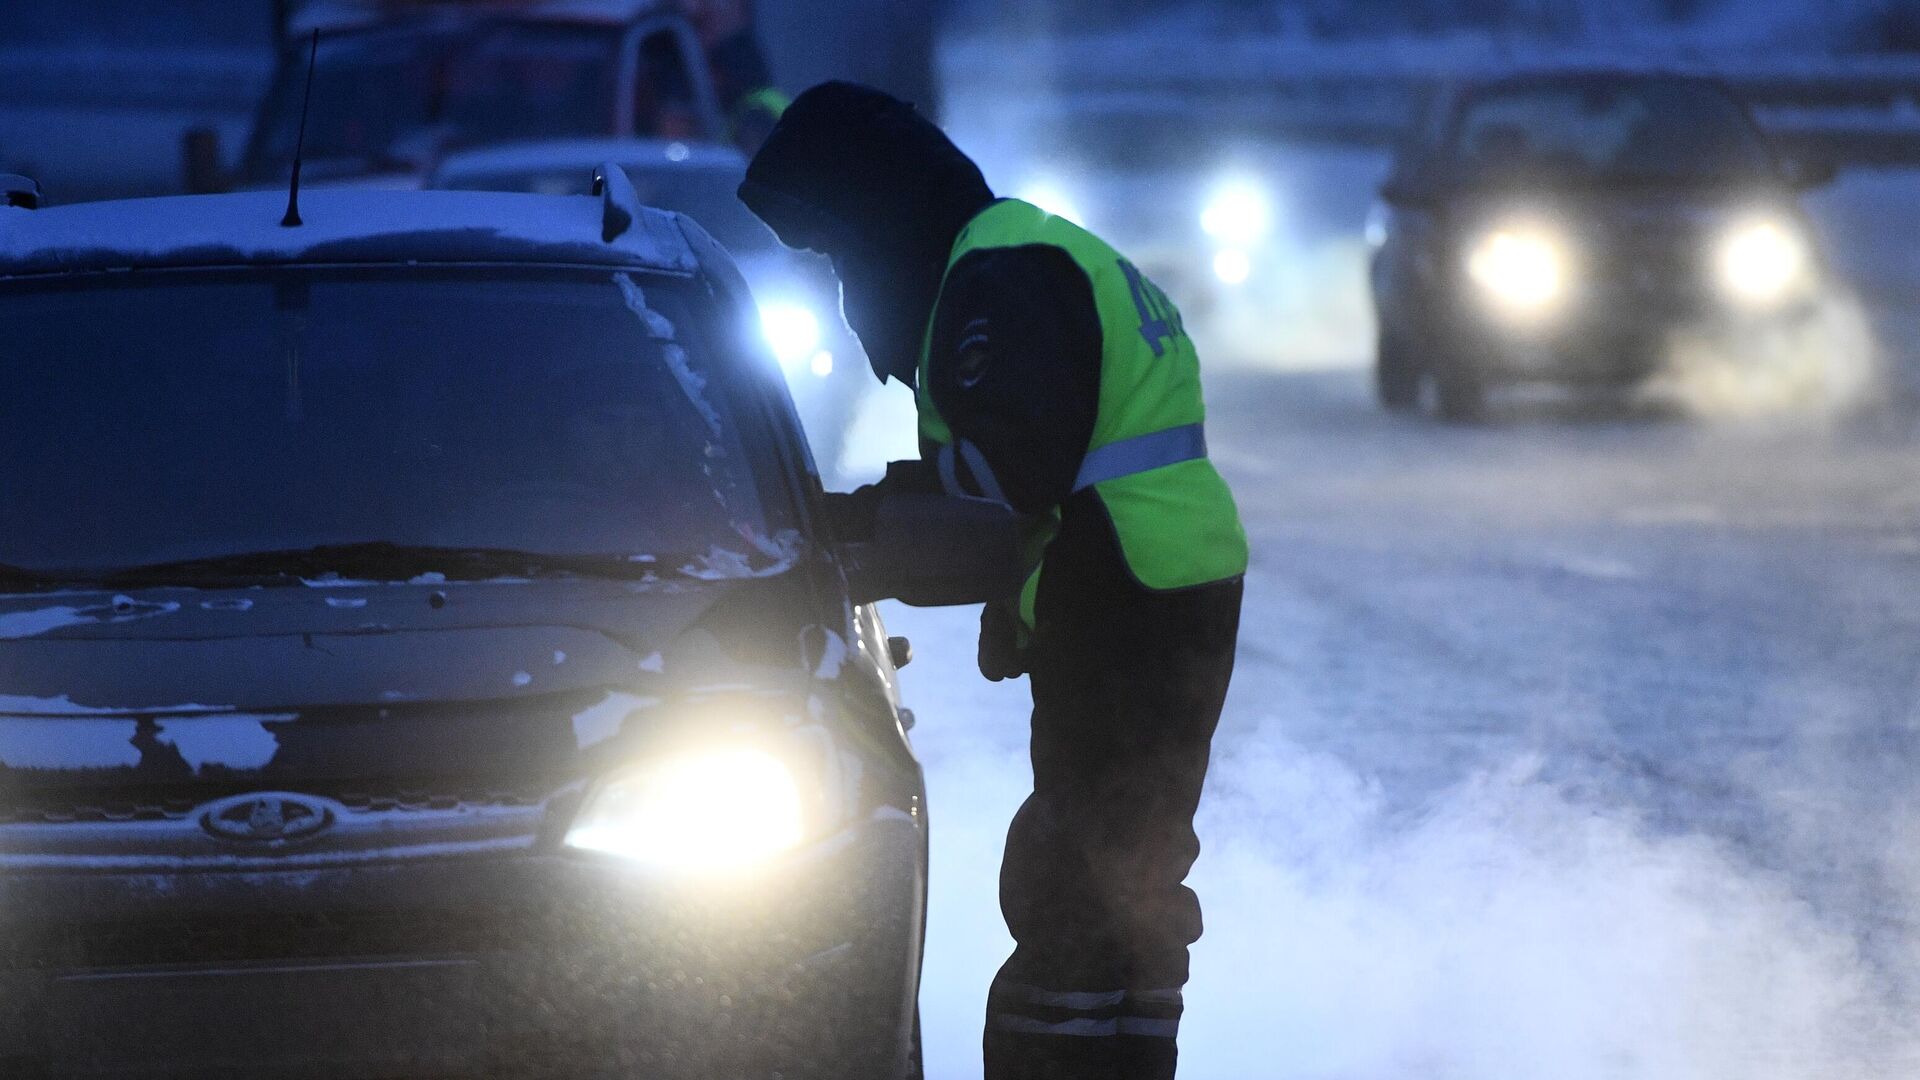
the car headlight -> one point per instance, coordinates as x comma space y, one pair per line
793, 330
1232, 266
1762, 262
1523, 269
1238, 213
708, 810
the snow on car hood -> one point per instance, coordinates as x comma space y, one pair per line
292, 690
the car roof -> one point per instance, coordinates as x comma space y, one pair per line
637, 154
340, 15
343, 226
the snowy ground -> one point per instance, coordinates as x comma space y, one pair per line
1579, 745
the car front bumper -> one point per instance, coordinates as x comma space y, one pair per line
1611, 339
531, 964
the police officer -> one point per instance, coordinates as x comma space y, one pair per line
1052, 375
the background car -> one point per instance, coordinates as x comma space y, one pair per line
421, 656
1559, 227
398, 86
799, 296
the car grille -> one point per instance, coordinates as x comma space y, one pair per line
68, 808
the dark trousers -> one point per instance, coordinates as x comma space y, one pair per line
1127, 690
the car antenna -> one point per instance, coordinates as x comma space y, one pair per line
300, 141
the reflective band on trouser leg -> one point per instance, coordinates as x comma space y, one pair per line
1142, 453
1152, 1013
1033, 1010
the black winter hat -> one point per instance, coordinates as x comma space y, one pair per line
851, 165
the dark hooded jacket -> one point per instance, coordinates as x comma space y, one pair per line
1015, 351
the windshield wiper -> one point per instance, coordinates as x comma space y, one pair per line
379, 560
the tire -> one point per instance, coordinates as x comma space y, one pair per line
1396, 375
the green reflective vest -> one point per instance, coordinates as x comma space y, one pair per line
1176, 520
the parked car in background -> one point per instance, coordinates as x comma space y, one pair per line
798, 295
420, 655
397, 86
1559, 227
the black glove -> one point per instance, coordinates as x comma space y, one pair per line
850, 515
1001, 656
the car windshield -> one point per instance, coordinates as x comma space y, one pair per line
200, 415
1657, 129
397, 98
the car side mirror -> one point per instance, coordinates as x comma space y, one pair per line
203, 169
1807, 173
937, 551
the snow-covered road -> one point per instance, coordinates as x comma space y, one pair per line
1579, 745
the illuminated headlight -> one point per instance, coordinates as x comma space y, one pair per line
1762, 262
1237, 214
698, 811
1232, 266
1524, 270
793, 330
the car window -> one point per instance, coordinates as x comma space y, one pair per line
398, 98
1656, 129
202, 414
530, 81
665, 103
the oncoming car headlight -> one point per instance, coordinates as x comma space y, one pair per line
1763, 261
1238, 213
794, 332
706, 810
1522, 268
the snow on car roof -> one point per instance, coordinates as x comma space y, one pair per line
338, 15
342, 225
585, 153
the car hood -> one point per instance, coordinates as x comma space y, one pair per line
1652, 206
281, 687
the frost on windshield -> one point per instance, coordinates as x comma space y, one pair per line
660, 328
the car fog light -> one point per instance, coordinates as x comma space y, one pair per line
700, 811
1762, 262
1523, 270
793, 331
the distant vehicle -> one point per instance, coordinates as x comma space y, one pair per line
1557, 227
798, 294
420, 655
399, 85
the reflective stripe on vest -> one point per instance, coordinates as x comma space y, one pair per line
1171, 511
987, 485
1141, 454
